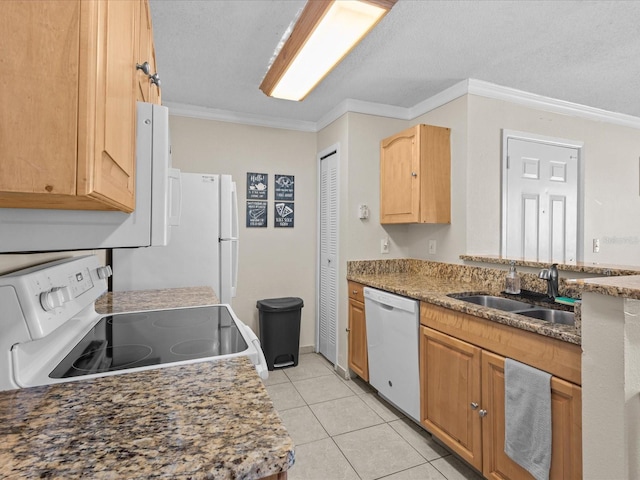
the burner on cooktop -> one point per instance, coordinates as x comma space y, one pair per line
98, 357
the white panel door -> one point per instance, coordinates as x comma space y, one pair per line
328, 294
541, 207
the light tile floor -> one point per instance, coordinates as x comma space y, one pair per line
344, 431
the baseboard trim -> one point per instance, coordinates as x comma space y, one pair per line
306, 349
342, 372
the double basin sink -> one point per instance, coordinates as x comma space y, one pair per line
521, 308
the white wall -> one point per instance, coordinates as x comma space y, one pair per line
450, 239
274, 262
612, 179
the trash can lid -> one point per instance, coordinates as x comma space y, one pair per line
284, 304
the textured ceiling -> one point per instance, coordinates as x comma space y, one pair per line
214, 53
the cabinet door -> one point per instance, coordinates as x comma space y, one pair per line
39, 100
399, 178
145, 90
566, 410
111, 168
450, 393
358, 357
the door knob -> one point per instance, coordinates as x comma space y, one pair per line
474, 405
482, 413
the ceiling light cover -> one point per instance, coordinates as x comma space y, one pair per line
325, 32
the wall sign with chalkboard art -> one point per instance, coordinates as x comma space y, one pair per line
257, 186
284, 187
283, 214
256, 214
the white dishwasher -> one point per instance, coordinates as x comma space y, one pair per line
392, 342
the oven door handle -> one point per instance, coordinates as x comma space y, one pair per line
261, 366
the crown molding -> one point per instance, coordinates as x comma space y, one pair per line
458, 90
465, 87
358, 106
532, 100
206, 113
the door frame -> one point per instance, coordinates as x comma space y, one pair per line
555, 141
320, 155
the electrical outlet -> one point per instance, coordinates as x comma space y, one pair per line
596, 245
432, 247
384, 245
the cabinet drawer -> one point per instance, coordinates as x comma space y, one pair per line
356, 291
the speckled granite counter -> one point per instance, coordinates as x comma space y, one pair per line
114, 302
578, 267
432, 282
210, 420
627, 287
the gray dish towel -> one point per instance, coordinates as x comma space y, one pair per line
527, 437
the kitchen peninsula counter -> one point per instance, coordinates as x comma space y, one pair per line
210, 420
432, 282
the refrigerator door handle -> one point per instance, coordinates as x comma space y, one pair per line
235, 246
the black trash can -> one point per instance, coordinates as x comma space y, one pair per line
280, 330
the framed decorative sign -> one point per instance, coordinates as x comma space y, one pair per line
284, 187
283, 215
256, 214
257, 186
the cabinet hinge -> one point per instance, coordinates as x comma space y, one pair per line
508, 161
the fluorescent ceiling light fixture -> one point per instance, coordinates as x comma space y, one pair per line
325, 32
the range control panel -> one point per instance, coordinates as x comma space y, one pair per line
53, 293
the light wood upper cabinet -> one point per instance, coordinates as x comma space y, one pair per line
68, 117
358, 352
415, 176
463, 389
146, 91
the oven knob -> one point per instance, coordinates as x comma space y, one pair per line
54, 298
104, 272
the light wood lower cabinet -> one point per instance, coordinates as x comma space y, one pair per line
358, 356
462, 396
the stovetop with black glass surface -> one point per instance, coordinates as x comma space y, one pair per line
130, 340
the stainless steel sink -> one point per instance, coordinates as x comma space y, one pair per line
521, 308
491, 301
548, 315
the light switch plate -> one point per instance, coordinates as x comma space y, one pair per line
432, 247
384, 245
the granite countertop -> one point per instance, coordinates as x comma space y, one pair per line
435, 290
210, 420
628, 287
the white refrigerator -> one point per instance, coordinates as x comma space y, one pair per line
202, 248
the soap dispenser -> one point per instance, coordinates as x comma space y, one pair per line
512, 284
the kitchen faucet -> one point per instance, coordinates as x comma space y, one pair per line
551, 276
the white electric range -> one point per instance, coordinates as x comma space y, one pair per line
51, 333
